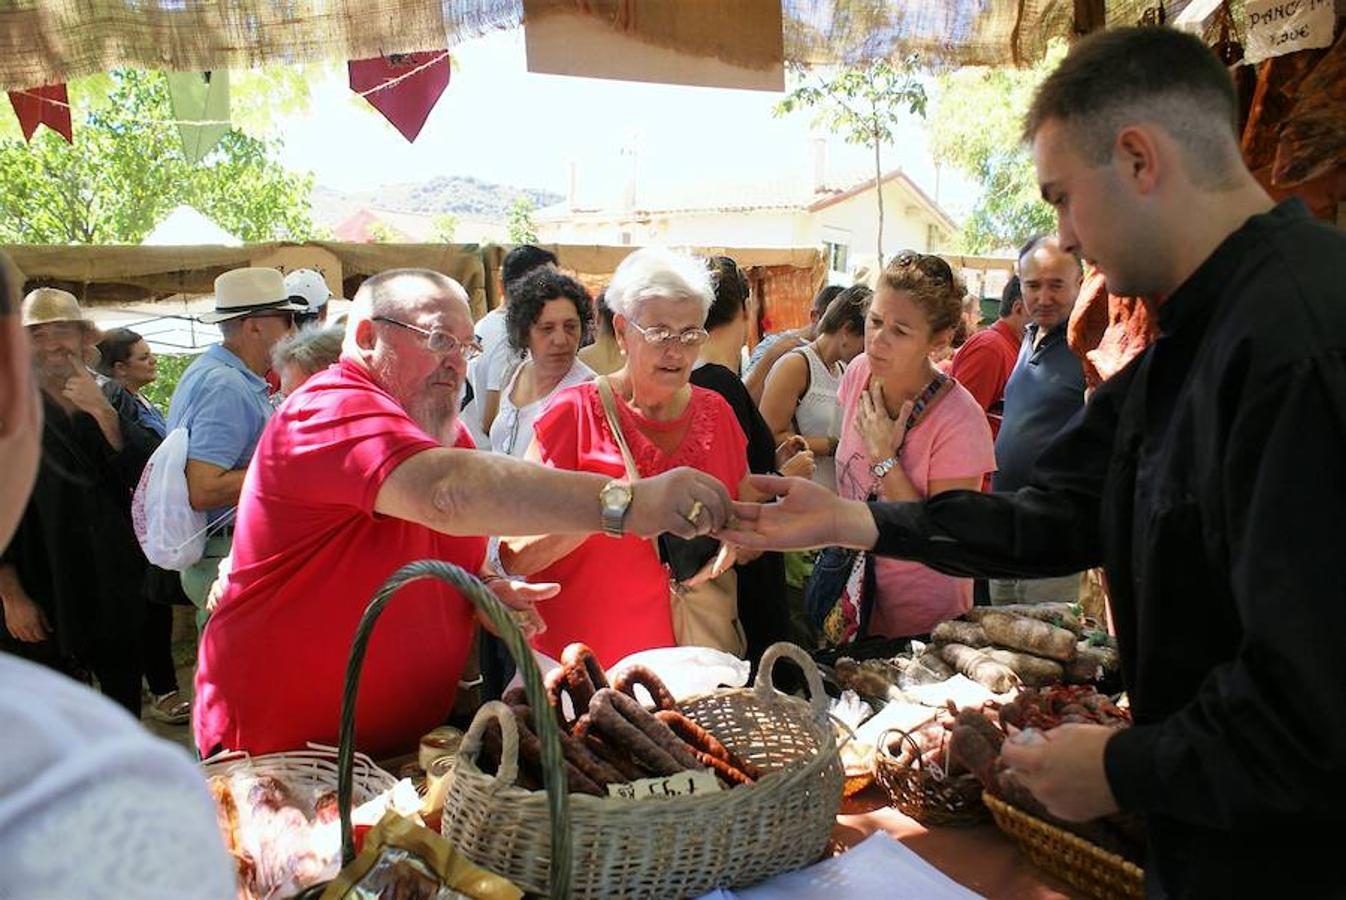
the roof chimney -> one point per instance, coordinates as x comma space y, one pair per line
819, 165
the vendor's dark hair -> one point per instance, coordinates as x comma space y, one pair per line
731, 292
1012, 294
115, 347
1122, 76
848, 309
522, 260
529, 294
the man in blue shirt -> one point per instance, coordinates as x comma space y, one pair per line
224, 403
1043, 393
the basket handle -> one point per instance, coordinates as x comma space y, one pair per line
903, 737
548, 732
766, 690
508, 772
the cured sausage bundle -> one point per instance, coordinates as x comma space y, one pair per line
608, 736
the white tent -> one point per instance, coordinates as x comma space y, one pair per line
185, 226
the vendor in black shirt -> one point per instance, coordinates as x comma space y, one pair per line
1208, 477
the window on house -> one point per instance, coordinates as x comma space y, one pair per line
931, 238
626, 238
837, 255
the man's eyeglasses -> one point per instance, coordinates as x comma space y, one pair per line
438, 341
660, 336
926, 263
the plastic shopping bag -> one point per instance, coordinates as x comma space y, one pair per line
172, 534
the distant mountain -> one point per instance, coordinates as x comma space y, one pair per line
467, 198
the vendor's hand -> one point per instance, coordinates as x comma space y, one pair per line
665, 503
24, 619
801, 465
521, 597
84, 393
807, 515
789, 449
881, 435
725, 557
1065, 770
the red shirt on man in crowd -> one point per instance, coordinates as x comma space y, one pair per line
309, 553
983, 366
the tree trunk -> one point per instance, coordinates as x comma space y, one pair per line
878, 193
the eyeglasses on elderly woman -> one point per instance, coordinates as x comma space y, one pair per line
661, 336
437, 341
926, 263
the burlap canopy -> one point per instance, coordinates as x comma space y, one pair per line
47, 41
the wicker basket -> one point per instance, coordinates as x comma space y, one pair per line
675, 847
313, 769
917, 792
1093, 870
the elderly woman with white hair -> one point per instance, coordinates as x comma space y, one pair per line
615, 592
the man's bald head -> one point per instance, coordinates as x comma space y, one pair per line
392, 319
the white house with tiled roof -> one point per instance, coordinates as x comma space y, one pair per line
843, 221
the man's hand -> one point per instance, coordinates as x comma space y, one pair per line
24, 619
85, 395
807, 515
681, 501
1065, 770
217, 586
520, 597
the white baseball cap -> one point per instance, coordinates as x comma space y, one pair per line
309, 285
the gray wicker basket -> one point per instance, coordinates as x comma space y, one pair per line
668, 847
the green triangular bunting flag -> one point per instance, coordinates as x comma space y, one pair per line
199, 97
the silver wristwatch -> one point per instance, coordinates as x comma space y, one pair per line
880, 469
615, 500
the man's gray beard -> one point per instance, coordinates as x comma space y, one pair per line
439, 420
53, 371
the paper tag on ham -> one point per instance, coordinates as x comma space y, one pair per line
683, 784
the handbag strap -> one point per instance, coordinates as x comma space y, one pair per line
614, 423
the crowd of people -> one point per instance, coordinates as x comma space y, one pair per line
601, 463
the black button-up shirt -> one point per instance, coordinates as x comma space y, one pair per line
1209, 478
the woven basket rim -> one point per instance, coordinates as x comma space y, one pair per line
804, 768
1123, 868
315, 761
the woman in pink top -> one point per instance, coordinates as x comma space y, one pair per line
894, 385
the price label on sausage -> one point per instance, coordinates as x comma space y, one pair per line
1278, 27
683, 784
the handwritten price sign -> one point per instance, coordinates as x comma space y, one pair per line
684, 784
1278, 27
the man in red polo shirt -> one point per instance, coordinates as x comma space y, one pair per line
353, 477
983, 365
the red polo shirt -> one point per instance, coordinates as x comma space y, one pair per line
983, 366
309, 553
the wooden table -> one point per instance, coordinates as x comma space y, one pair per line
981, 857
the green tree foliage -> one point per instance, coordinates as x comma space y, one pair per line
125, 172
862, 104
976, 126
520, 225
445, 225
381, 233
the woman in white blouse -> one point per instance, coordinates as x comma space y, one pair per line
548, 316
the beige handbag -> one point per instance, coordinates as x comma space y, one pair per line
705, 615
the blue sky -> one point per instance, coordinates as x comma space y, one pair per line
527, 129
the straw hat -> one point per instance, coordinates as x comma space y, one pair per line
248, 291
47, 306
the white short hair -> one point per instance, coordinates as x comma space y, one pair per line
659, 272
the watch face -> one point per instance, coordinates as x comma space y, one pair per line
615, 495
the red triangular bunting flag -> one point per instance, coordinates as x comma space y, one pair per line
47, 105
406, 103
